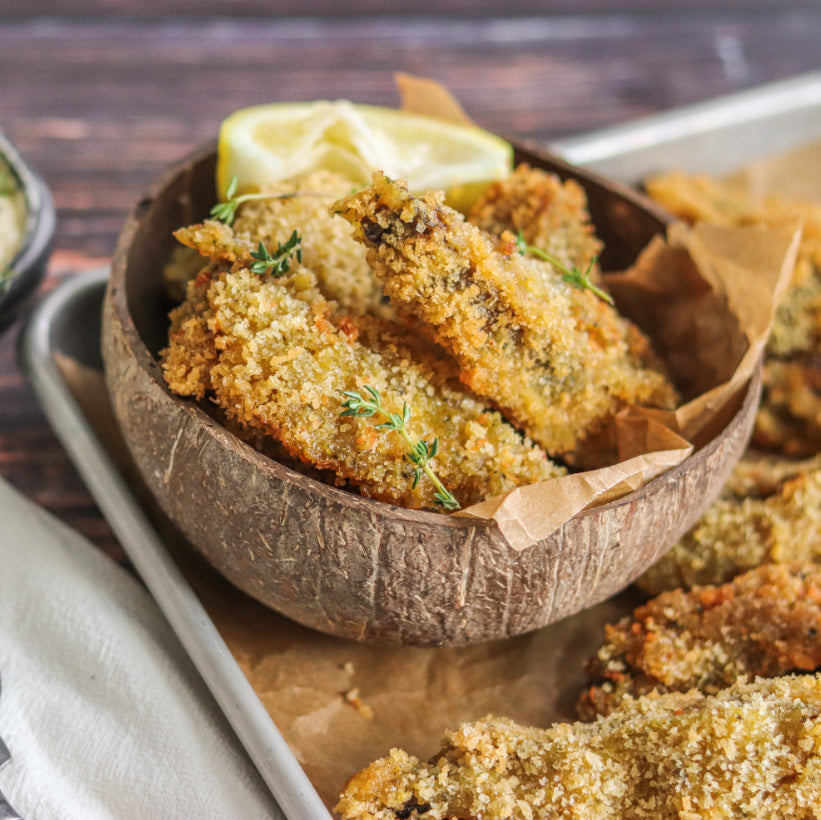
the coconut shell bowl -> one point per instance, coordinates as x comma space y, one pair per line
352, 566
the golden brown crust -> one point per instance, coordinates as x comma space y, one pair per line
557, 360
550, 214
753, 750
276, 357
765, 623
739, 534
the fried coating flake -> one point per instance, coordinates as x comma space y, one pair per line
557, 360
276, 356
789, 420
753, 750
739, 534
550, 214
765, 623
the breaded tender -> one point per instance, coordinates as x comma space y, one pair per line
753, 750
338, 262
276, 356
764, 623
789, 420
550, 214
738, 534
556, 359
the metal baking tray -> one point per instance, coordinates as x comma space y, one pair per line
714, 136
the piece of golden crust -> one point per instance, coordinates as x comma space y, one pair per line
557, 360
738, 534
338, 262
789, 420
752, 750
550, 214
283, 358
765, 623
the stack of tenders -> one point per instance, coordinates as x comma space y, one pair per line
513, 370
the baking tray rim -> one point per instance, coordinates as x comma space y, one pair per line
795, 94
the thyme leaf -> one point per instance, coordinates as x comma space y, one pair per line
420, 453
226, 211
279, 262
573, 276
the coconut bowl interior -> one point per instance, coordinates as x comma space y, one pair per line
28, 267
351, 566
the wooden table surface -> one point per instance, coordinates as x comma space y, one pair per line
100, 95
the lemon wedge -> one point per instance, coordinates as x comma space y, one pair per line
266, 144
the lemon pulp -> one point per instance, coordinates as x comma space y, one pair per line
266, 144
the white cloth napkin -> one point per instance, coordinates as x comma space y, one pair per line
103, 713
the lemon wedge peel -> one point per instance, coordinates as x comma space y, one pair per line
264, 145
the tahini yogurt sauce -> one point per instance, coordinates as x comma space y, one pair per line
12, 218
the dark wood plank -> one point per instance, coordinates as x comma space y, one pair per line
332, 10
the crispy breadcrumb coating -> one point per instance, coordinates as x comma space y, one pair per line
789, 420
765, 623
738, 534
557, 360
550, 214
276, 357
753, 750
337, 261
328, 250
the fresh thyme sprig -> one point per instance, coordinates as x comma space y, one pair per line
279, 262
572, 275
226, 211
420, 453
